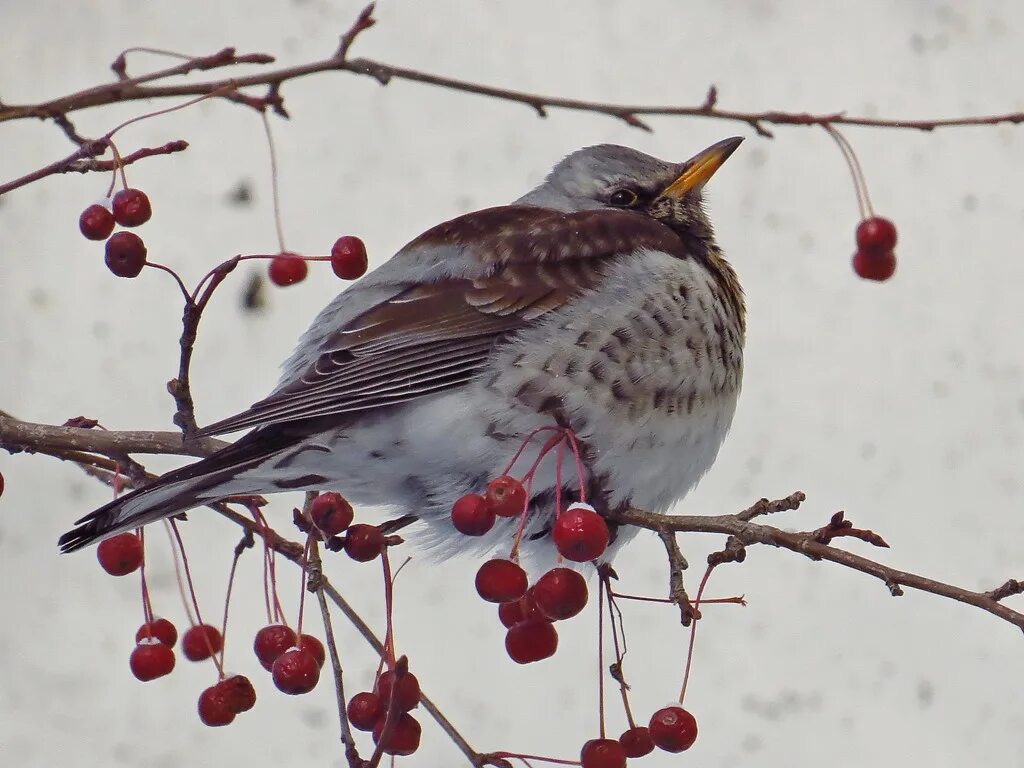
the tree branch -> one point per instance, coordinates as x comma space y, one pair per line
127, 89
17, 436
746, 533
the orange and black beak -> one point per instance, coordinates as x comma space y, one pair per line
701, 167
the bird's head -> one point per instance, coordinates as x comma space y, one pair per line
614, 177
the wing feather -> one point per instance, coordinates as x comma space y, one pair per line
510, 266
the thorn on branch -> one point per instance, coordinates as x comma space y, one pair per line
632, 120
1010, 588
81, 422
711, 99
760, 129
248, 541
541, 110
838, 526
733, 552
766, 507
120, 67
363, 22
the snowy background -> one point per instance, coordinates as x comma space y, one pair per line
901, 403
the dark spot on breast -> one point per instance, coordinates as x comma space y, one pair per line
662, 321
376, 455
620, 391
683, 291
622, 335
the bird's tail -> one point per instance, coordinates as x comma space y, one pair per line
212, 478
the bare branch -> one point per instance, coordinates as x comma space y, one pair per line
805, 543
17, 436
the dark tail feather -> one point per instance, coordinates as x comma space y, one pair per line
179, 490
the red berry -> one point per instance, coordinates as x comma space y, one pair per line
530, 641
331, 513
519, 610
364, 542
161, 629
314, 646
1, 485
580, 534
406, 694
214, 707
403, 736
271, 642
472, 516
673, 729
348, 258
96, 222
874, 265
125, 254
876, 234
131, 208
151, 659
120, 555
637, 742
296, 672
602, 753
506, 496
238, 693
364, 709
201, 642
560, 593
501, 581
287, 269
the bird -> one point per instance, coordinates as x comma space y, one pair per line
599, 302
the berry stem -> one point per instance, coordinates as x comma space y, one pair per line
172, 273
192, 594
526, 758
118, 167
303, 574
693, 634
615, 617
525, 443
138, 118
275, 191
600, 655
389, 604
147, 607
227, 602
178, 575
859, 184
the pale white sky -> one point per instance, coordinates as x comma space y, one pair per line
901, 403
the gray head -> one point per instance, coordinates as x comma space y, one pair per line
610, 176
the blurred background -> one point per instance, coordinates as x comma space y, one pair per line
901, 403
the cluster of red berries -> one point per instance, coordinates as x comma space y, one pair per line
579, 533
348, 260
876, 239
384, 712
671, 729
529, 612
332, 516
125, 251
294, 660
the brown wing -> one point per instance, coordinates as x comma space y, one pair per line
522, 263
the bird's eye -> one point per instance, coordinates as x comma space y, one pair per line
623, 198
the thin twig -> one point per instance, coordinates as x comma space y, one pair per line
127, 89
747, 533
